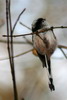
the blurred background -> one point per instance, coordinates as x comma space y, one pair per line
31, 78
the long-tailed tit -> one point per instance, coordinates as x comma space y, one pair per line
45, 44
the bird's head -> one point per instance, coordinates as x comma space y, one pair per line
38, 24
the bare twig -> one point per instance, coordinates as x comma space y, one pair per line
58, 27
6, 58
14, 42
8, 32
11, 30
62, 46
8, 46
21, 54
63, 53
18, 35
28, 41
11, 56
39, 31
18, 19
25, 26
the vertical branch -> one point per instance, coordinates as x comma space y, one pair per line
10, 31
13, 70
7, 22
10, 46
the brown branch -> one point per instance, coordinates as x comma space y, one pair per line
11, 56
18, 35
15, 42
18, 19
62, 46
6, 58
58, 27
39, 31
8, 45
11, 49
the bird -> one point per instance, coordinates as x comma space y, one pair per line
45, 44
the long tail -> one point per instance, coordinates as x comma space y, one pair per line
47, 63
51, 85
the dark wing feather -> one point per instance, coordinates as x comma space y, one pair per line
43, 59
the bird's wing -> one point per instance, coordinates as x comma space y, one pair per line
43, 59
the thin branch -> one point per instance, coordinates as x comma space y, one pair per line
51, 28
8, 32
28, 41
6, 58
25, 26
62, 46
21, 54
18, 19
12, 60
9, 29
8, 46
59, 27
39, 31
18, 35
11, 50
63, 53
14, 42
10, 22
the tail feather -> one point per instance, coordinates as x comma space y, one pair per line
51, 85
47, 63
43, 59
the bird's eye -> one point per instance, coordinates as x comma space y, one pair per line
43, 20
